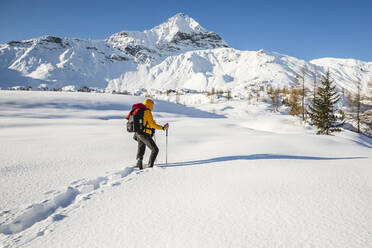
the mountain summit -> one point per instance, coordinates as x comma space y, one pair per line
179, 32
181, 23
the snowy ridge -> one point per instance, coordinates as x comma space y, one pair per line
348, 71
228, 68
56, 61
221, 68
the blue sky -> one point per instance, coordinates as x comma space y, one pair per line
304, 29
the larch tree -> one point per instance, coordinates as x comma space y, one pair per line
294, 98
302, 76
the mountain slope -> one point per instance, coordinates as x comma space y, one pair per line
228, 68
59, 62
348, 71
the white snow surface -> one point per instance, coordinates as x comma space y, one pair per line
239, 177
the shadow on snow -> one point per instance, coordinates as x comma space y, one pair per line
87, 104
254, 157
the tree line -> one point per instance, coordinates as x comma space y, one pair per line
320, 107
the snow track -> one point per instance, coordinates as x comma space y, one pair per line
39, 212
58, 207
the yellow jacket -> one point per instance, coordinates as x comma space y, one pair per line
148, 121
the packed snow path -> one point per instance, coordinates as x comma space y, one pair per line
251, 179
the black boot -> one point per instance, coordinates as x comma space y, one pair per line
139, 164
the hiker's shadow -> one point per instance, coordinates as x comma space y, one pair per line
254, 157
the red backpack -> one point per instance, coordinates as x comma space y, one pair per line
135, 118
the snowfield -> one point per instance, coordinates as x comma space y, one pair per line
238, 176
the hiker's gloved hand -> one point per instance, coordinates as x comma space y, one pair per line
166, 126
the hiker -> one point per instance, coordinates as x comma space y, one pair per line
145, 133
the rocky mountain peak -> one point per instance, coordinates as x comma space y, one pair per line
180, 23
178, 33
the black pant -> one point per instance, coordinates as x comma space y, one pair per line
145, 139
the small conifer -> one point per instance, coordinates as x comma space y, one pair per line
322, 113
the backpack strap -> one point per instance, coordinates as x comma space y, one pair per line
129, 114
145, 126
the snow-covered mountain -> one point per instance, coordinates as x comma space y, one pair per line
58, 62
179, 33
178, 53
228, 68
347, 72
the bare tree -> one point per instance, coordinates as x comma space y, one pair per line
315, 78
366, 116
177, 97
293, 102
249, 98
355, 103
294, 97
369, 89
228, 95
302, 76
355, 113
274, 95
276, 99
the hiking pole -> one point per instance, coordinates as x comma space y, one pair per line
166, 147
155, 144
